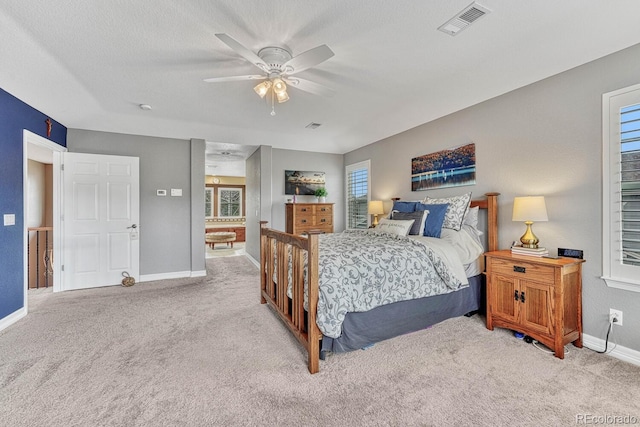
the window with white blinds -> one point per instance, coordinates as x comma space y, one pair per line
621, 168
357, 191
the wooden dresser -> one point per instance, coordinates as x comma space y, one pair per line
539, 297
303, 217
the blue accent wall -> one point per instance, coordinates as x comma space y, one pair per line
15, 116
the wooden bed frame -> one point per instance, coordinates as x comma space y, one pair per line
275, 249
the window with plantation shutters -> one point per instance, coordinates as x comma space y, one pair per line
621, 184
357, 183
630, 184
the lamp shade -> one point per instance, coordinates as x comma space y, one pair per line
376, 207
529, 208
279, 86
262, 88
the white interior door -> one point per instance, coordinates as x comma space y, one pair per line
100, 220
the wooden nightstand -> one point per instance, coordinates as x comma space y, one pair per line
539, 297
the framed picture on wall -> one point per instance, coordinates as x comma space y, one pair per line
303, 183
447, 168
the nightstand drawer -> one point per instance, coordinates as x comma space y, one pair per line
523, 269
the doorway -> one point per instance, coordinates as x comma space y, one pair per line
225, 198
41, 212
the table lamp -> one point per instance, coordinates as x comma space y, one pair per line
529, 209
375, 208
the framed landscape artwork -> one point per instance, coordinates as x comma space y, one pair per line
447, 168
302, 183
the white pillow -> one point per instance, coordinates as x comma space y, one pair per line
397, 227
472, 217
458, 207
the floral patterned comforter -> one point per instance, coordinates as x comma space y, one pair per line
363, 269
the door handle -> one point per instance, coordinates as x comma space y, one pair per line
134, 226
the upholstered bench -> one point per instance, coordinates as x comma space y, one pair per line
219, 237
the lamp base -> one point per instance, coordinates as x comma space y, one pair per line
375, 220
528, 239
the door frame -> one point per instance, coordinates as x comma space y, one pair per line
30, 138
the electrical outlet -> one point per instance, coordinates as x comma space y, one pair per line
615, 314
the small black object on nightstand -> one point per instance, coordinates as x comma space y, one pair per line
570, 253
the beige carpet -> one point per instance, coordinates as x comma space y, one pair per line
204, 352
223, 250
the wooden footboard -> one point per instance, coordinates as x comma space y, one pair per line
281, 251
276, 249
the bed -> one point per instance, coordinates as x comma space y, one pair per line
295, 275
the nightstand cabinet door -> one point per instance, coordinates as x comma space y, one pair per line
536, 311
503, 302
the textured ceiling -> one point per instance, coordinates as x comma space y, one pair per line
90, 64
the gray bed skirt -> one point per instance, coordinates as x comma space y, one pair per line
362, 329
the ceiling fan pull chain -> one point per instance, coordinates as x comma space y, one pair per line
273, 107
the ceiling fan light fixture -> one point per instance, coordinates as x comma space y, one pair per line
279, 86
282, 97
262, 88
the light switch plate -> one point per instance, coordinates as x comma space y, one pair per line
9, 219
161, 192
176, 192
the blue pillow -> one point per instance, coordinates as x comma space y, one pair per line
435, 219
404, 207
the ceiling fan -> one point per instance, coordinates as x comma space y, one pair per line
278, 66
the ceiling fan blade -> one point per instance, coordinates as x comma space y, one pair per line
235, 78
309, 86
308, 59
243, 51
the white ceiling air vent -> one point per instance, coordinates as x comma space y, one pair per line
313, 125
462, 20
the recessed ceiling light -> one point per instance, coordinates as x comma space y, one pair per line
145, 107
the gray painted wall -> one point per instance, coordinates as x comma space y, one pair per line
333, 167
543, 139
197, 151
258, 197
165, 222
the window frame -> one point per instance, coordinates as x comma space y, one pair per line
240, 201
211, 202
366, 164
614, 273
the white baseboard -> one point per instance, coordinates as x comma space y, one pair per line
619, 352
253, 261
200, 273
165, 276
9, 320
